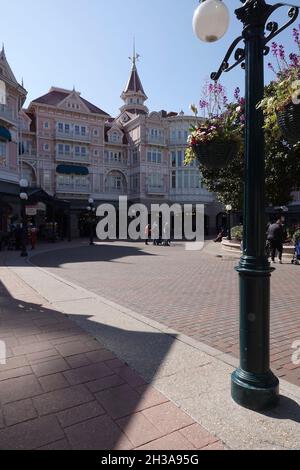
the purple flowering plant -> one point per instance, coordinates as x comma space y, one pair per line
221, 121
285, 89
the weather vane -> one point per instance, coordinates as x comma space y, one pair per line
135, 57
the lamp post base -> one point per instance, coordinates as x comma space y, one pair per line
256, 392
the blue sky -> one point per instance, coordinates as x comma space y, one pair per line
86, 43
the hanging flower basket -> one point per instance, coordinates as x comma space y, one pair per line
289, 123
216, 154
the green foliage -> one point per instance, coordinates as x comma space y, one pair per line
237, 233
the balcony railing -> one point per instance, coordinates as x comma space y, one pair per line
73, 188
29, 153
182, 141
72, 157
73, 136
155, 189
7, 115
150, 139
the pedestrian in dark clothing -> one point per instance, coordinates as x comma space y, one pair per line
275, 236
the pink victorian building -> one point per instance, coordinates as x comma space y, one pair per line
12, 98
74, 150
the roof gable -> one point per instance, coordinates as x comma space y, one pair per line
56, 97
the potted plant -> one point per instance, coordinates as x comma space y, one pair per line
216, 139
281, 104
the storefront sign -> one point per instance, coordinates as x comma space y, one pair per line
31, 210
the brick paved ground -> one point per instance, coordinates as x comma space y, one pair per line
60, 389
195, 293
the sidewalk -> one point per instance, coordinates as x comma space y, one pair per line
186, 377
62, 389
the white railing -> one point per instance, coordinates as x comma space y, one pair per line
29, 153
72, 157
155, 140
72, 188
182, 141
155, 189
73, 136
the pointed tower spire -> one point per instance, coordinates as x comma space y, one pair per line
3, 51
134, 95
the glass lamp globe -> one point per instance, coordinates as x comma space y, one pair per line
23, 183
24, 196
91, 200
229, 208
211, 20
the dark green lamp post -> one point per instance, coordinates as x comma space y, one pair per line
254, 386
24, 199
91, 208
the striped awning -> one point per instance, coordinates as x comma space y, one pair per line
5, 135
72, 170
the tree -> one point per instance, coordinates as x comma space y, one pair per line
282, 176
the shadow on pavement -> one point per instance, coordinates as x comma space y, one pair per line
86, 254
76, 391
287, 409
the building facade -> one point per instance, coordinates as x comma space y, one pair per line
73, 150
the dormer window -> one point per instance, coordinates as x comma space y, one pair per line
115, 137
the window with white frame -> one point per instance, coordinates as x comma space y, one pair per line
46, 147
154, 156
46, 125
135, 182
2, 149
47, 179
115, 137
155, 180
135, 156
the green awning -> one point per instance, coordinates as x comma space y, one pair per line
5, 134
72, 170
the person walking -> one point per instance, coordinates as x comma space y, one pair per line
166, 234
155, 233
275, 236
33, 236
147, 234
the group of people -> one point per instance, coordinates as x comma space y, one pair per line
14, 238
152, 232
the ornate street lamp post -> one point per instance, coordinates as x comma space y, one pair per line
91, 208
24, 199
229, 210
254, 386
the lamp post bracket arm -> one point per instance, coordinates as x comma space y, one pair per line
239, 55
